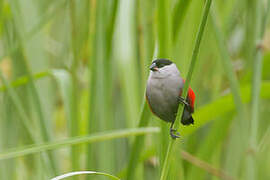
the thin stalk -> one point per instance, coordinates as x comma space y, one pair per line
146, 36
20, 39
36, 98
165, 167
73, 125
146, 49
164, 43
227, 64
265, 18
190, 72
110, 28
164, 28
206, 150
256, 13
42, 123
25, 120
45, 133
179, 16
127, 51
109, 123
92, 76
234, 87
103, 90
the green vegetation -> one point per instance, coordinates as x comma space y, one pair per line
73, 76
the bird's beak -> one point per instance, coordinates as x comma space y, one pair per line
153, 67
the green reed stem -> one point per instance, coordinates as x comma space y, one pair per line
257, 59
185, 90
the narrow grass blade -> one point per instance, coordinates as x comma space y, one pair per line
97, 137
25, 79
29, 126
178, 16
91, 125
63, 176
146, 48
227, 64
43, 124
164, 44
73, 117
164, 29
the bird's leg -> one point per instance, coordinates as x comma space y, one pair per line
183, 101
174, 134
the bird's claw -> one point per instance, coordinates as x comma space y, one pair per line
174, 134
182, 100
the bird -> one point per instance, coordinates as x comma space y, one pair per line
163, 94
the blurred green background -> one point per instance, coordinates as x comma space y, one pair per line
79, 68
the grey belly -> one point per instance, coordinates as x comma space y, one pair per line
163, 98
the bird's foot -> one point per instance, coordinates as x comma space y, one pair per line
183, 101
174, 134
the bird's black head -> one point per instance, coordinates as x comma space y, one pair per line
159, 63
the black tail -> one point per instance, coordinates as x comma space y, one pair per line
186, 117
187, 121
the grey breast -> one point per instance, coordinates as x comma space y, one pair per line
162, 95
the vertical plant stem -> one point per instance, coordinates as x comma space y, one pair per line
227, 64
73, 125
43, 124
164, 42
164, 28
189, 76
25, 120
101, 84
93, 74
165, 167
234, 87
256, 57
146, 37
146, 46
109, 121
111, 27
45, 133
178, 17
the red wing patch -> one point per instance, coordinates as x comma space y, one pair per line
191, 96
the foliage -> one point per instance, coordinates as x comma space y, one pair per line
73, 74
